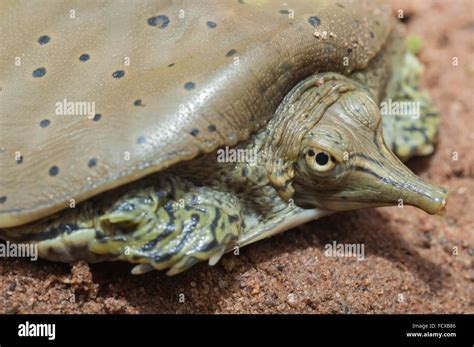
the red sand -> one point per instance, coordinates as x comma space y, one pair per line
411, 263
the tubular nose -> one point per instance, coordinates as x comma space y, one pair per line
413, 190
423, 195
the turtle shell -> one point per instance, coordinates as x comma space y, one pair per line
98, 94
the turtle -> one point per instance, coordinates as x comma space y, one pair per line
165, 134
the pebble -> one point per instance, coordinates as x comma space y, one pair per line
255, 289
292, 300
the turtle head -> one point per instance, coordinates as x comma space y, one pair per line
344, 164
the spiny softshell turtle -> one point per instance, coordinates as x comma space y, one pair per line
180, 89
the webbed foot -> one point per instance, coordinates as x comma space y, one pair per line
172, 233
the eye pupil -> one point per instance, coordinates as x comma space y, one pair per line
322, 158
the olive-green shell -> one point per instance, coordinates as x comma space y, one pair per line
169, 79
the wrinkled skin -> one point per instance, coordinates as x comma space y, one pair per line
361, 170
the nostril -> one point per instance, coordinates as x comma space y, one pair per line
440, 200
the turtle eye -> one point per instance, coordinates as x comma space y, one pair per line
320, 160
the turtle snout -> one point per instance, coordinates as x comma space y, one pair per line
412, 190
386, 180
425, 196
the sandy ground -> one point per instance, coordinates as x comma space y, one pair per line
414, 262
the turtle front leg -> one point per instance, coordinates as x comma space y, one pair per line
195, 225
410, 119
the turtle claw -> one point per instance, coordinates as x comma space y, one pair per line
214, 259
142, 269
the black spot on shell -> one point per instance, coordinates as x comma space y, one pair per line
211, 127
341, 6
372, 35
189, 85
84, 57
160, 21
97, 117
314, 21
349, 51
3, 199
194, 132
39, 72
118, 74
141, 140
53, 170
138, 102
44, 39
170, 65
45, 123
284, 12
211, 25
92, 162
230, 53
